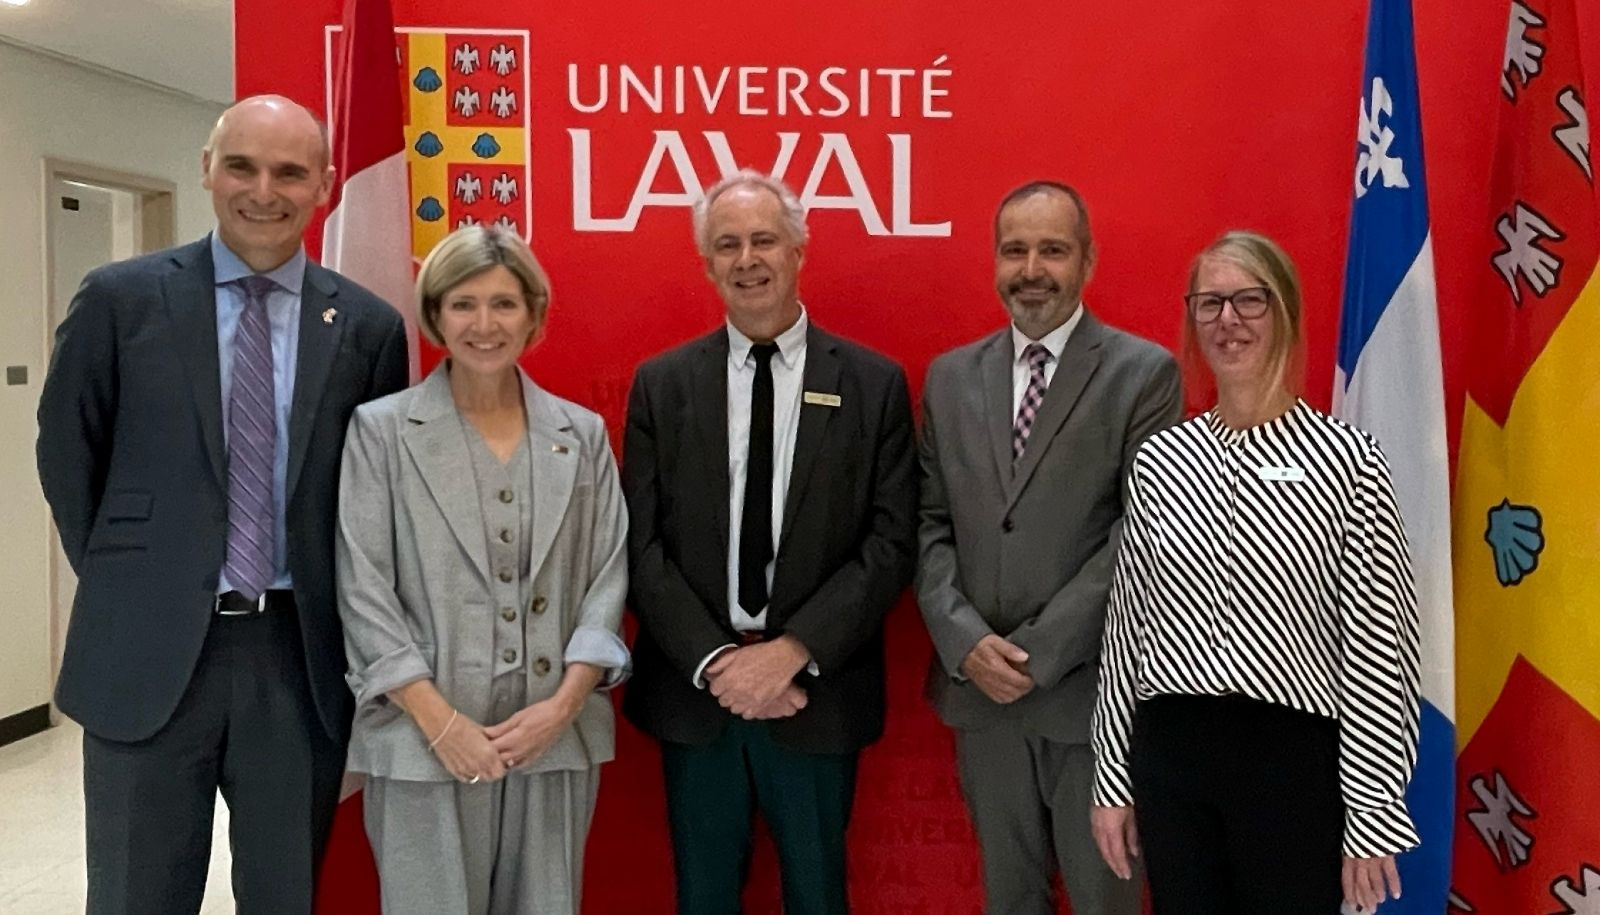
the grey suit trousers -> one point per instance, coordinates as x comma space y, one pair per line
512, 847
1029, 799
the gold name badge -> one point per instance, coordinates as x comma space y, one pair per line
822, 400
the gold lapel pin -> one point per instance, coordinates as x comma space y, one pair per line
328, 315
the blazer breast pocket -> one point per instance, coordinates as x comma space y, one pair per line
349, 375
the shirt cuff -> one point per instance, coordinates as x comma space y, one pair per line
390, 672
1385, 830
951, 653
700, 672
1112, 785
602, 648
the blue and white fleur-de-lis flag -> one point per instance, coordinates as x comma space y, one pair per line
1389, 381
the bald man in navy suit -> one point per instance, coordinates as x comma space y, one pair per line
190, 430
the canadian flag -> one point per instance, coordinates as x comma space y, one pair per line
367, 236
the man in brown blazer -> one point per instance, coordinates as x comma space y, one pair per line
1027, 437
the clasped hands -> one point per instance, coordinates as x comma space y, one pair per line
474, 752
998, 669
757, 681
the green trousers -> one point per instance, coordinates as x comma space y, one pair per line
713, 792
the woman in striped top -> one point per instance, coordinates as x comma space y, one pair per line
1259, 676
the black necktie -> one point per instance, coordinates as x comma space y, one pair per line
755, 523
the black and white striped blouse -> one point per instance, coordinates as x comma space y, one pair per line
1270, 563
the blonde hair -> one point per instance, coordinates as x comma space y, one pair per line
467, 252
1270, 265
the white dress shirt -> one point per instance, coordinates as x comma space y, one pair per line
1055, 341
788, 375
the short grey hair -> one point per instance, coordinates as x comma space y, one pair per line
467, 252
794, 214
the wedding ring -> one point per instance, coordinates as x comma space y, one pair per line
473, 780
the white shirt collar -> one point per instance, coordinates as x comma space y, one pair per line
790, 343
1055, 341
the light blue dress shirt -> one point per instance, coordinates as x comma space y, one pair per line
283, 314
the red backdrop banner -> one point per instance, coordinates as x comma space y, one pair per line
903, 122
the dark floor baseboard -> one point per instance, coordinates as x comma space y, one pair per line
25, 723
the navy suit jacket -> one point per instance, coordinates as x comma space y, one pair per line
132, 462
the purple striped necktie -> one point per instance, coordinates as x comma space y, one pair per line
252, 439
1032, 398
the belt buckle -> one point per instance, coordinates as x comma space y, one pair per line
259, 608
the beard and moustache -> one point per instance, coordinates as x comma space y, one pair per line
1046, 285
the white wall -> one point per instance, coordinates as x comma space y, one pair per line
53, 109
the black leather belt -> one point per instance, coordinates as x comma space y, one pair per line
232, 603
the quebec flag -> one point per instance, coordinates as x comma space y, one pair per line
1388, 381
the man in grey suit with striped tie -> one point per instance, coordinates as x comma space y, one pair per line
1026, 440
190, 431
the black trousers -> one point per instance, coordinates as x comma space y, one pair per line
1238, 807
245, 726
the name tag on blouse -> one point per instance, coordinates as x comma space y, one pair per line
1281, 474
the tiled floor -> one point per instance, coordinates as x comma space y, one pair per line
41, 829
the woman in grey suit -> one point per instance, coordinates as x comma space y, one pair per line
481, 573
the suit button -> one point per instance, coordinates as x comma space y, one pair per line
538, 605
506, 495
541, 666
505, 535
505, 575
1007, 525
508, 614
509, 655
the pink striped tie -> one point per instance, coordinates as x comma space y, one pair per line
1028, 410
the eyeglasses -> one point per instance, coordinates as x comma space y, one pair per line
1249, 302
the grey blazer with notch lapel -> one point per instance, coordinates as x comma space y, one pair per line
132, 462
1029, 555
413, 572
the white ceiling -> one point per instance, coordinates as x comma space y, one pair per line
185, 45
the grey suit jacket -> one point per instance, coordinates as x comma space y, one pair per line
413, 576
132, 461
1029, 555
